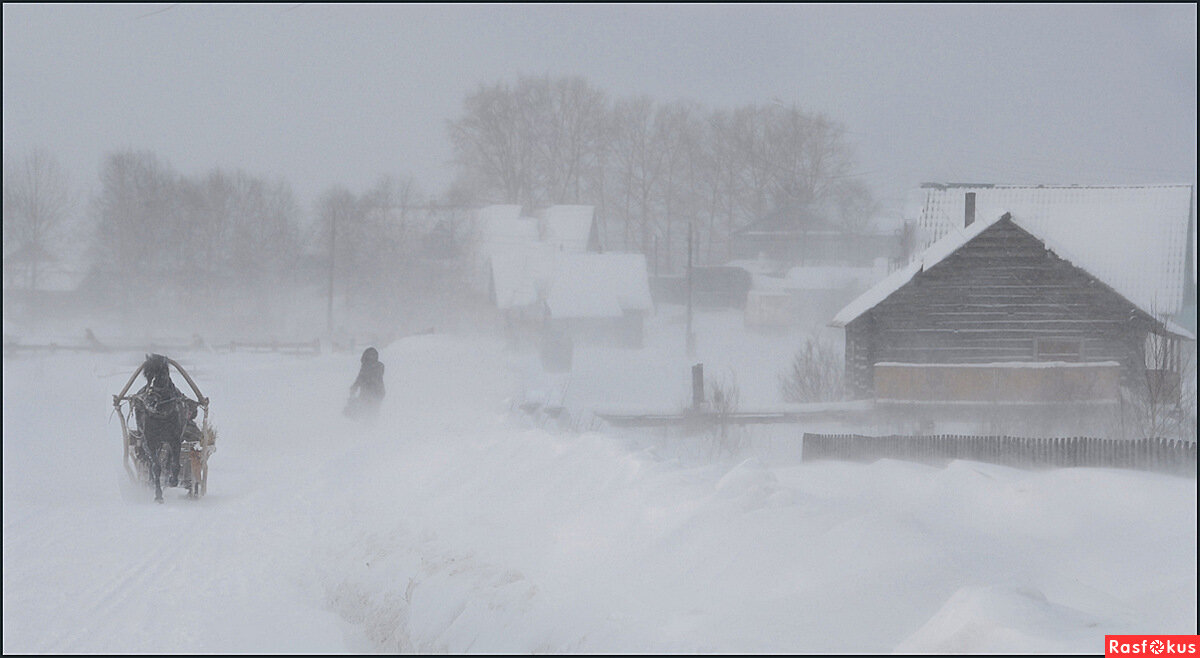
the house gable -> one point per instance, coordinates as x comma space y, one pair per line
999, 295
1135, 238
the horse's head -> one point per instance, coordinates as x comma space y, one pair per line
157, 370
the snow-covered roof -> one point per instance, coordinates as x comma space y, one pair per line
568, 227
518, 271
504, 225
950, 242
1133, 238
598, 285
573, 285
896, 280
488, 214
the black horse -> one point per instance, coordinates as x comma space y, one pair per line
163, 414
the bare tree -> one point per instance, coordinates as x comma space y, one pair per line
649, 168
540, 141
37, 205
724, 399
815, 375
572, 125
494, 144
337, 216
137, 240
719, 173
1163, 403
638, 167
854, 207
756, 162
173, 247
677, 135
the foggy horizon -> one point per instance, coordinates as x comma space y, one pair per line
324, 95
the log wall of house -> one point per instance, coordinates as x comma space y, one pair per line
997, 299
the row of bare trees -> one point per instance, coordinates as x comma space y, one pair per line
193, 239
652, 168
38, 211
155, 242
380, 252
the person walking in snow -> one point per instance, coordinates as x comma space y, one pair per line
368, 386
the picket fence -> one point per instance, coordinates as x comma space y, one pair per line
1163, 455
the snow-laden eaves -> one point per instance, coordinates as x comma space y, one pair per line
927, 259
952, 242
1134, 238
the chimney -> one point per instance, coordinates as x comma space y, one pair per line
969, 210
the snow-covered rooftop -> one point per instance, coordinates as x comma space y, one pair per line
896, 280
573, 285
1133, 238
502, 229
517, 271
955, 238
598, 285
568, 227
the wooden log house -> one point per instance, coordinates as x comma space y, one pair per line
993, 313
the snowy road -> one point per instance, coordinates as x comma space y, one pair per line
449, 527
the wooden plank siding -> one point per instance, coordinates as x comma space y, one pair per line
996, 299
1080, 382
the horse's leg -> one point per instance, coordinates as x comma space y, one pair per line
156, 471
173, 449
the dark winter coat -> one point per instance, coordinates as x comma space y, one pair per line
370, 380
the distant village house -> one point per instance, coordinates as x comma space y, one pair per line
547, 276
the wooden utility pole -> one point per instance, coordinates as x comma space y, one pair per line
691, 338
332, 244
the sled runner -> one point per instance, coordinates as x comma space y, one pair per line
197, 445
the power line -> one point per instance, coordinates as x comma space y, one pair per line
159, 11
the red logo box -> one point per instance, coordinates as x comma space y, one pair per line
1152, 645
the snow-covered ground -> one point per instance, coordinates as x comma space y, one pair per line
459, 524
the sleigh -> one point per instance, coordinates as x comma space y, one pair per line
199, 442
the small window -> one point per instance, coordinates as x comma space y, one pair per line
1059, 350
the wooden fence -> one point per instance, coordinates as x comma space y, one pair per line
1164, 455
167, 347
89, 343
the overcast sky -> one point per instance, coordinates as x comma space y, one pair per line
335, 94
